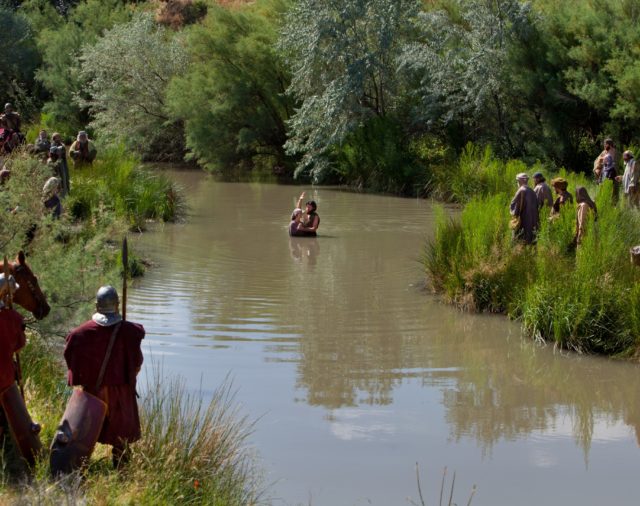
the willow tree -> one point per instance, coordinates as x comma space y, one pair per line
127, 72
462, 64
232, 98
343, 56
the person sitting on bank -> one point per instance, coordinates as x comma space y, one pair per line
84, 354
42, 144
82, 151
629, 179
586, 209
542, 191
524, 208
310, 218
10, 119
51, 198
560, 186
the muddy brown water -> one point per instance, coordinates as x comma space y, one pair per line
356, 373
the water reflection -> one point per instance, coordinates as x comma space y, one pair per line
348, 332
304, 250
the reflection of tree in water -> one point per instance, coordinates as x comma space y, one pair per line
500, 391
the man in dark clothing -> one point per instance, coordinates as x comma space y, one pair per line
311, 220
10, 119
524, 206
12, 339
85, 352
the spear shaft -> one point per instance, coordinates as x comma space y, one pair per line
10, 306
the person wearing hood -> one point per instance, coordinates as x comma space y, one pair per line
85, 352
524, 210
542, 191
586, 210
51, 198
82, 151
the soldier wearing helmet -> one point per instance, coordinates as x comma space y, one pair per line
12, 339
85, 352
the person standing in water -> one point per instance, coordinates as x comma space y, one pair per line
310, 219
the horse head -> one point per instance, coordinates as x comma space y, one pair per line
29, 295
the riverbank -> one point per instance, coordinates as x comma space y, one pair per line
191, 450
583, 299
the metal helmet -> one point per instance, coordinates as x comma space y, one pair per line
8, 105
12, 283
107, 300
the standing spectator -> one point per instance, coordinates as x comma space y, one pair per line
560, 185
629, 179
586, 209
542, 191
524, 209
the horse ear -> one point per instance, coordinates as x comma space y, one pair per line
21, 259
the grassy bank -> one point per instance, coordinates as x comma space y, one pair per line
585, 298
192, 452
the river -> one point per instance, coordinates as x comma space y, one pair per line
355, 372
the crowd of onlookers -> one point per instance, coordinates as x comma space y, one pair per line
52, 152
528, 205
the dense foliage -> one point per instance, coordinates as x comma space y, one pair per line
231, 98
350, 92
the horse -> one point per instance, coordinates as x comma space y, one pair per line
29, 295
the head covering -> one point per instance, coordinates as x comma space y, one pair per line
538, 175
523, 177
4, 175
107, 307
295, 213
560, 182
50, 187
628, 153
3, 286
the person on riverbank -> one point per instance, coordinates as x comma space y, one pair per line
560, 186
542, 191
629, 179
12, 339
57, 163
51, 198
524, 209
85, 352
82, 151
42, 144
310, 218
10, 119
586, 210
608, 158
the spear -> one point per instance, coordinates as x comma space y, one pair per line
10, 306
125, 266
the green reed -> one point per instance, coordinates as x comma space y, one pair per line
583, 298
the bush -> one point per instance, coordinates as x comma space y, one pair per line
581, 298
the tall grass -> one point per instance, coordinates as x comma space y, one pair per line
117, 181
584, 298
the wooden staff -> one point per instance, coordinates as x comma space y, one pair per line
125, 266
10, 306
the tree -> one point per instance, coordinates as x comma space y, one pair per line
60, 41
127, 72
462, 64
343, 60
18, 58
232, 98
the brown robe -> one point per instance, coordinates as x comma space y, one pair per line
85, 350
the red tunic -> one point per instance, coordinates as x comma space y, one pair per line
12, 339
84, 353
